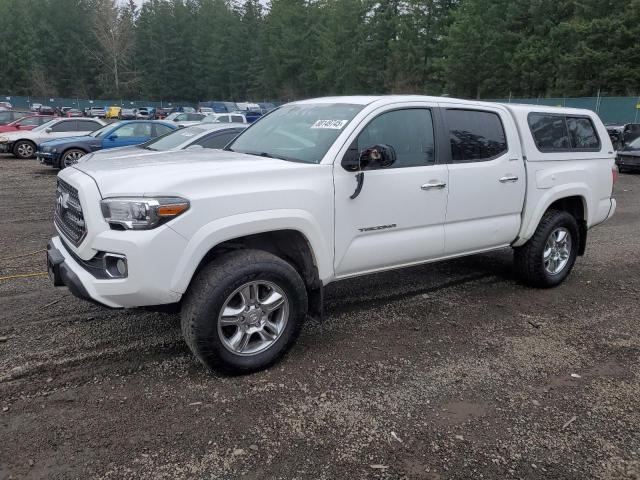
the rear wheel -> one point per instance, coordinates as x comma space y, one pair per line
549, 255
71, 157
243, 311
24, 149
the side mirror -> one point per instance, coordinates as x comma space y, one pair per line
112, 137
371, 158
48, 130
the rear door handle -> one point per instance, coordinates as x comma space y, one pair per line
509, 178
434, 185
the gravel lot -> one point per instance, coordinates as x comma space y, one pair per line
445, 371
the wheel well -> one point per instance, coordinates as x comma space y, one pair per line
290, 245
73, 148
576, 207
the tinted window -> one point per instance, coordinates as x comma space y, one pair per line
31, 121
475, 136
69, 126
174, 139
133, 130
237, 119
194, 117
162, 129
583, 134
88, 126
223, 119
218, 140
549, 131
409, 132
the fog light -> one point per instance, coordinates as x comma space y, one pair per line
115, 265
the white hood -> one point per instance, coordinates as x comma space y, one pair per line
178, 172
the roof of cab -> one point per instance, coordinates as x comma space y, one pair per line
384, 99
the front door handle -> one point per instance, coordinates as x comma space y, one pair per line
509, 178
434, 185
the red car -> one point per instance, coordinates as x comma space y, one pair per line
26, 123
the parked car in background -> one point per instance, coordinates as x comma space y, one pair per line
622, 135
182, 109
213, 136
47, 110
225, 118
251, 115
8, 116
128, 113
35, 107
206, 110
629, 156
266, 107
113, 112
98, 112
61, 153
5, 106
74, 112
26, 123
24, 143
62, 111
185, 119
162, 113
146, 113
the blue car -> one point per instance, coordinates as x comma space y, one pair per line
66, 151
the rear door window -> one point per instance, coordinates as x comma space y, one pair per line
475, 135
65, 126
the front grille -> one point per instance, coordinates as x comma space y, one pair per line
68, 213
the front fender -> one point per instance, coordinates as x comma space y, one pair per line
227, 228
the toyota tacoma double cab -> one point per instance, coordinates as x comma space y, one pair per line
243, 240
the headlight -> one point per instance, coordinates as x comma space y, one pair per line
142, 213
4, 139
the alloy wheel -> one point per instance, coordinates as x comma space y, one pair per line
253, 318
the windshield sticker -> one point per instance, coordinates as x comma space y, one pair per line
332, 124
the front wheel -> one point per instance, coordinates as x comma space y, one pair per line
71, 157
243, 311
548, 257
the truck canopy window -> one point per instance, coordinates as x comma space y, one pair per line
475, 135
583, 134
560, 133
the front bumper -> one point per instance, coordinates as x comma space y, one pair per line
6, 147
149, 271
47, 158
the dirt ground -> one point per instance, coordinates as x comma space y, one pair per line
444, 371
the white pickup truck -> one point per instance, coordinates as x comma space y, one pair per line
244, 239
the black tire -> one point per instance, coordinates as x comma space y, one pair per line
24, 149
529, 260
66, 159
212, 286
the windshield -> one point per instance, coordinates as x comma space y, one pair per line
101, 132
302, 133
174, 139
